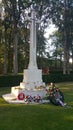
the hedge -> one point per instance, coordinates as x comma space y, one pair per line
56, 78
10, 80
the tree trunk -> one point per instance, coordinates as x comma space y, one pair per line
72, 59
68, 66
5, 54
5, 62
66, 42
65, 54
61, 62
15, 58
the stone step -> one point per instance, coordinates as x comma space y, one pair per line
9, 96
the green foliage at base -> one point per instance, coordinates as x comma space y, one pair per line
57, 77
11, 80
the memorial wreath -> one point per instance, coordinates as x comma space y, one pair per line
54, 94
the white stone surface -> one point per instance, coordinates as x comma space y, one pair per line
13, 96
16, 90
32, 56
32, 92
32, 75
32, 78
10, 98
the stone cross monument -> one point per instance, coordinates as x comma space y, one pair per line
32, 76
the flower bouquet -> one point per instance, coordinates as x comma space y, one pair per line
54, 94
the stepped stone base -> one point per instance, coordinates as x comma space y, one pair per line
31, 85
13, 96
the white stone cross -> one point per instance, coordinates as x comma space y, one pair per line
32, 56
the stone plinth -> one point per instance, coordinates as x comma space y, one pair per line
32, 82
32, 85
32, 78
32, 92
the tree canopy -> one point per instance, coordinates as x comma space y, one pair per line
14, 32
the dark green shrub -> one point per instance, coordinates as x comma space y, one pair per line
11, 80
57, 77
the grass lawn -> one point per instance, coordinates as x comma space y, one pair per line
37, 117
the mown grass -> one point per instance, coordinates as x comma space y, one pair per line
37, 117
